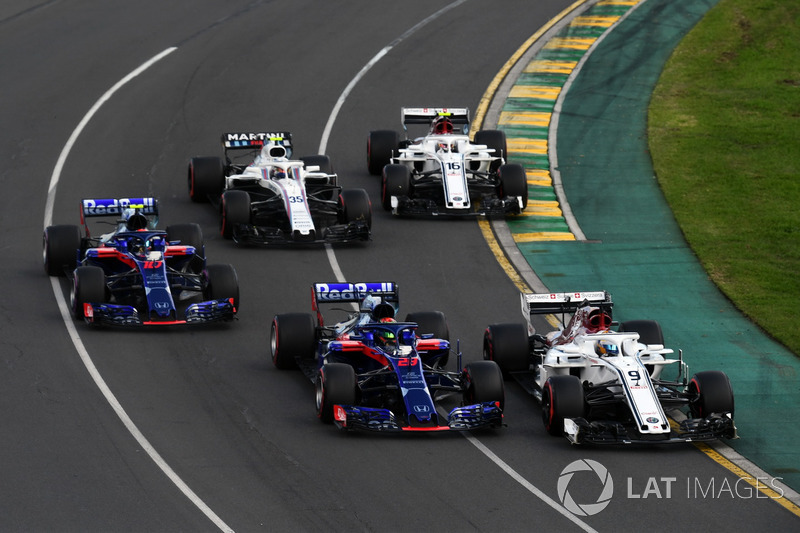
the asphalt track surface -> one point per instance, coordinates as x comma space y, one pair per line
239, 434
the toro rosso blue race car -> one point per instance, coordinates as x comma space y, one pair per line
137, 275
374, 373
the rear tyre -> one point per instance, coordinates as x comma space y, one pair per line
396, 182
206, 178
649, 330
432, 322
88, 286
293, 336
484, 383
507, 345
380, 148
187, 235
496, 140
235, 210
711, 393
513, 182
562, 397
222, 283
356, 206
321, 161
336, 385
60, 245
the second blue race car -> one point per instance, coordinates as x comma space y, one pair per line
374, 373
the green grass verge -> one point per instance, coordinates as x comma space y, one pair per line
724, 133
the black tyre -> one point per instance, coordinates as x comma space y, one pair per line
321, 161
206, 178
293, 336
221, 283
336, 385
507, 345
436, 323
88, 286
380, 148
513, 182
188, 235
235, 210
562, 397
711, 393
649, 330
356, 206
60, 245
496, 140
396, 181
484, 383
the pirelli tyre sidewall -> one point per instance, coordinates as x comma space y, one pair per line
335, 385
507, 345
88, 286
562, 397
221, 283
292, 337
484, 383
60, 245
396, 181
206, 178
380, 149
235, 210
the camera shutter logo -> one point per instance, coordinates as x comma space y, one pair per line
585, 509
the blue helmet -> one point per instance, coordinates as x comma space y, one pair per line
606, 348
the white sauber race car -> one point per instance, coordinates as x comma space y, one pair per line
264, 197
605, 386
444, 172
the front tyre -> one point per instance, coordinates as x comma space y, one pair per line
88, 286
513, 182
206, 177
356, 206
222, 283
484, 383
335, 385
397, 182
235, 211
710, 393
562, 397
293, 336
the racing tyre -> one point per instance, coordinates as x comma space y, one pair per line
432, 322
321, 161
293, 335
513, 182
222, 283
187, 235
562, 397
235, 210
336, 384
206, 178
356, 206
88, 286
396, 182
60, 245
484, 383
507, 345
380, 148
649, 330
496, 140
710, 392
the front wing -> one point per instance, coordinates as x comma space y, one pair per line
480, 415
339, 233
126, 315
714, 427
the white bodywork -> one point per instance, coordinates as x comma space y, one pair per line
290, 188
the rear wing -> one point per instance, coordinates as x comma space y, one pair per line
103, 207
254, 140
459, 116
106, 207
332, 293
562, 303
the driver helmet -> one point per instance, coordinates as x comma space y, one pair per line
441, 125
383, 312
277, 173
134, 220
384, 337
605, 348
443, 147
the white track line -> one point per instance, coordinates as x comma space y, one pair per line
73, 332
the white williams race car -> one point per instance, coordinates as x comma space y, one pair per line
606, 386
444, 172
271, 198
